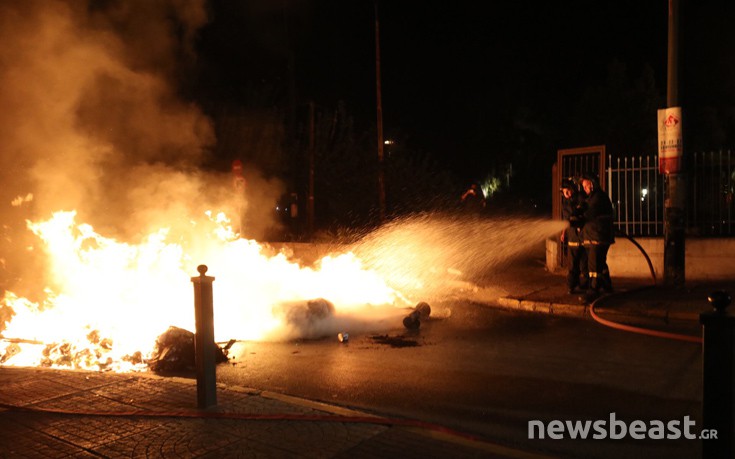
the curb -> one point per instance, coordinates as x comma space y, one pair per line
448, 437
582, 310
546, 307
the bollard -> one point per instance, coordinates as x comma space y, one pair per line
204, 345
718, 360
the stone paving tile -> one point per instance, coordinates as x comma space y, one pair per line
19, 437
77, 379
233, 403
9, 376
83, 380
29, 391
87, 432
82, 401
172, 438
152, 394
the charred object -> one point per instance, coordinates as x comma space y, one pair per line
174, 351
422, 311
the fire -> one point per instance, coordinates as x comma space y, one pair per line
107, 301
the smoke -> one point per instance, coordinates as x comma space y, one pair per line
318, 318
92, 119
81, 105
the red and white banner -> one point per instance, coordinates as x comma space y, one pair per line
670, 145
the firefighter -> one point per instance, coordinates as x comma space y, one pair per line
573, 206
473, 199
597, 236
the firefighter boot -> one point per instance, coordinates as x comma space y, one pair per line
572, 282
593, 291
606, 282
584, 284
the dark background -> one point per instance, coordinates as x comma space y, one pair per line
470, 90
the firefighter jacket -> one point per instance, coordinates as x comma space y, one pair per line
572, 210
598, 219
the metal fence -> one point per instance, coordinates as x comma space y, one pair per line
637, 192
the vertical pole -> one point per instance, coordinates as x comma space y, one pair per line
381, 170
204, 345
672, 77
310, 202
718, 367
674, 203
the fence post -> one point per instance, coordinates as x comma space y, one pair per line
718, 361
204, 345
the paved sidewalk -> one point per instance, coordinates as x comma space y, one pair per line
52, 414
635, 301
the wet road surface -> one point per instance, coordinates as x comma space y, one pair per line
488, 373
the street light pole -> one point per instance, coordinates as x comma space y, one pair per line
379, 96
675, 201
310, 197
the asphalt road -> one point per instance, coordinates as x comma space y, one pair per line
488, 373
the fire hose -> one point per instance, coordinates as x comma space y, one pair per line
366, 419
631, 328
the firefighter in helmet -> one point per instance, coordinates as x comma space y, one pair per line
597, 236
573, 206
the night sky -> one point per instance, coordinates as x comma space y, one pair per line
476, 85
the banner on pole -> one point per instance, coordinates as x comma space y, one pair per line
670, 145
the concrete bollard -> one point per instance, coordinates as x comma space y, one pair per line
718, 332
204, 345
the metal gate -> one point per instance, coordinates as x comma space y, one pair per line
573, 163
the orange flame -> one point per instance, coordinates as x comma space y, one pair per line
108, 301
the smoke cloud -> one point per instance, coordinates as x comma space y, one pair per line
92, 120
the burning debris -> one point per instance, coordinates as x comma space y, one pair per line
11, 350
89, 354
174, 351
92, 352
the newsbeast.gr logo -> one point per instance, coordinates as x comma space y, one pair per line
616, 429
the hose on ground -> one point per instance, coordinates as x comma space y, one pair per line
631, 328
